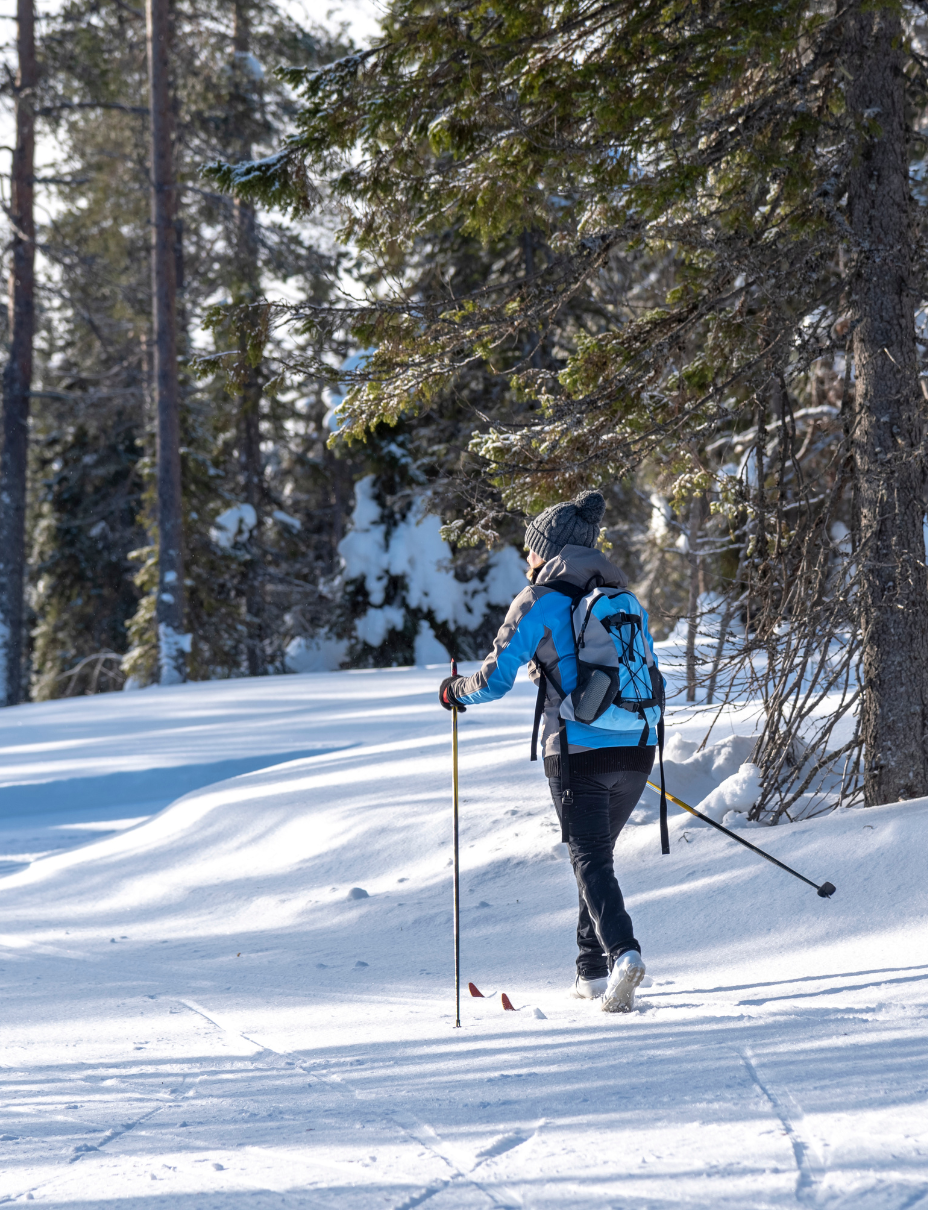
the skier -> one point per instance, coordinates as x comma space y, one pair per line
608, 768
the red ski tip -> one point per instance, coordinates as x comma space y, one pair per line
475, 991
507, 1003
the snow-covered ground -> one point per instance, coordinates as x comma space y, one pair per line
196, 1011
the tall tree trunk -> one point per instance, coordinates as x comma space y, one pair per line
697, 587
252, 477
888, 428
17, 376
173, 643
250, 398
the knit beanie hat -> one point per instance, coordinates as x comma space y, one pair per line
575, 523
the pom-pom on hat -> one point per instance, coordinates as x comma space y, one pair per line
574, 523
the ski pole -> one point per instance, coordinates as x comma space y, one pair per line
457, 896
826, 890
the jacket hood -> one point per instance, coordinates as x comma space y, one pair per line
578, 564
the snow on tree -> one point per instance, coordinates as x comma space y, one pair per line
405, 603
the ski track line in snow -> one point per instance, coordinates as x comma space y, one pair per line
423, 1134
427, 1137
114, 1133
213, 1019
669, 996
744, 987
918, 1198
170, 1098
835, 991
810, 1170
80, 1151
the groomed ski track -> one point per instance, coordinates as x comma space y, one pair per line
196, 1013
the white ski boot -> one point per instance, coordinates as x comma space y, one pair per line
619, 996
589, 989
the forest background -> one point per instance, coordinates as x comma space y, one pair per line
458, 272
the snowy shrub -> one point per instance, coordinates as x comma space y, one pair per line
403, 601
234, 525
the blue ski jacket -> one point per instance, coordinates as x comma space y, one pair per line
537, 631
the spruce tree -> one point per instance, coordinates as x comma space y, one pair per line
763, 146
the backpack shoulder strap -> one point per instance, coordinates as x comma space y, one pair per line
665, 835
574, 591
539, 711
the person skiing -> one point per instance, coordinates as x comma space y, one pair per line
607, 769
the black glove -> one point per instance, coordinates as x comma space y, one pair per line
447, 698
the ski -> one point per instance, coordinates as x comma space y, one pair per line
478, 995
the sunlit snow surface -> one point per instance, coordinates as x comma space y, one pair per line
196, 1013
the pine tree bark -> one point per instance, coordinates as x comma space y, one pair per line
697, 588
17, 376
250, 396
250, 449
889, 421
173, 643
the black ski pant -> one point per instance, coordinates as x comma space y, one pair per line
600, 810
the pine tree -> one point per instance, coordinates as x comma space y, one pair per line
173, 642
96, 349
89, 501
762, 144
17, 375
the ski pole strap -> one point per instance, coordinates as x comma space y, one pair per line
665, 835
567, 795
539, 711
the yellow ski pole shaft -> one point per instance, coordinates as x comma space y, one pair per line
825, 890
457, 888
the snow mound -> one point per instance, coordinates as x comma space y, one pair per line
696, 773
737, 793
693, 775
